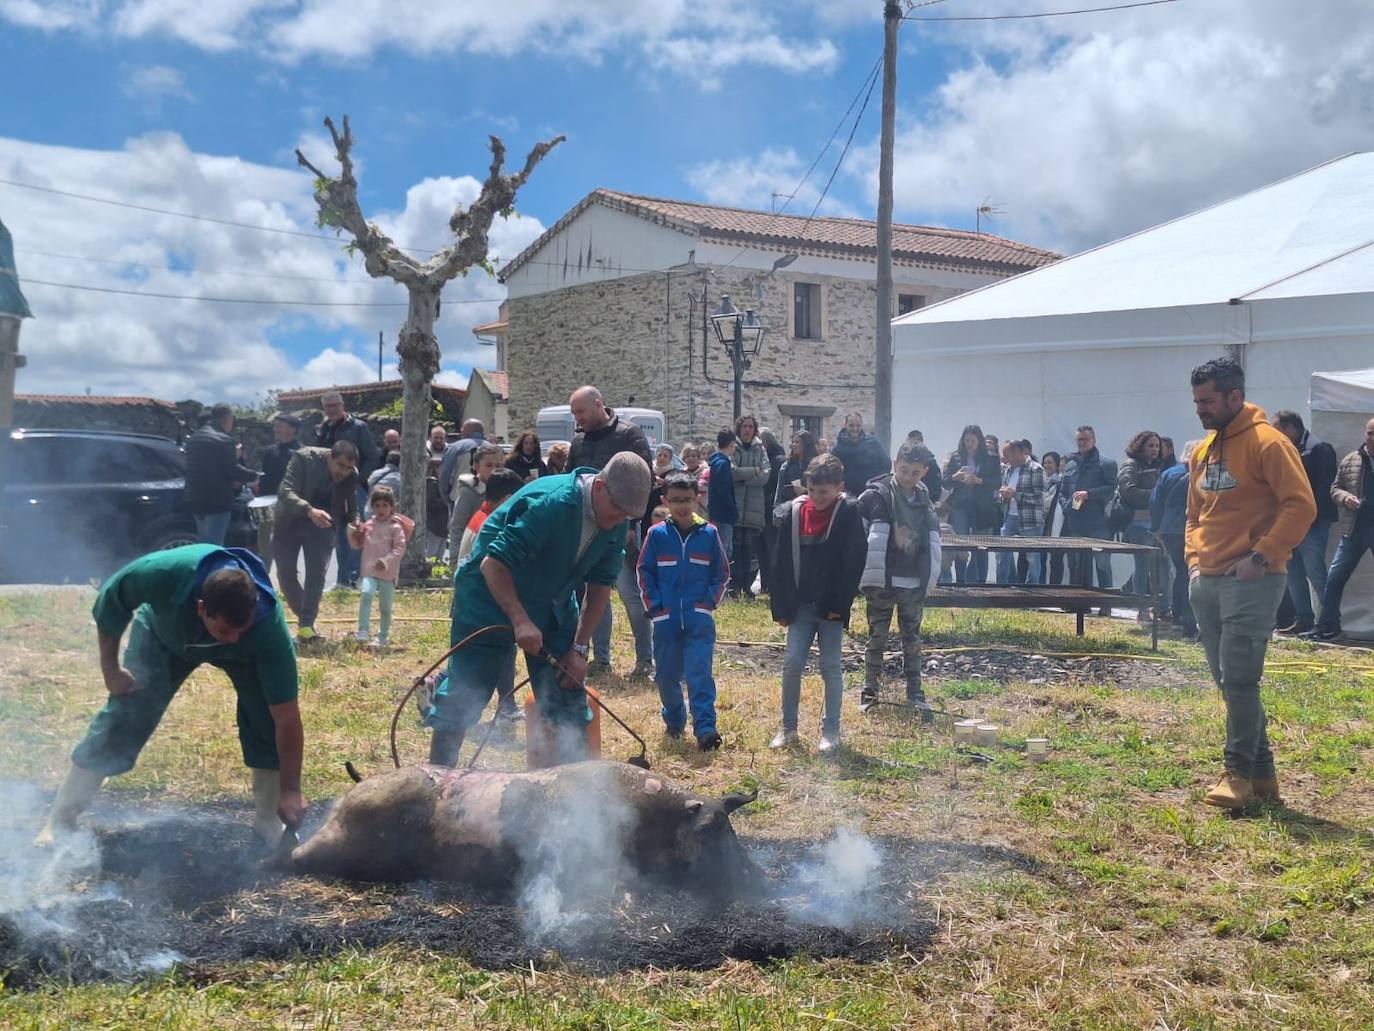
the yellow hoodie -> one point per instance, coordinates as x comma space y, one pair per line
1247, 492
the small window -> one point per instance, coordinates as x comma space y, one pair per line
810, 423
910, 302
806, 311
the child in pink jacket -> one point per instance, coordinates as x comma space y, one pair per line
382, 540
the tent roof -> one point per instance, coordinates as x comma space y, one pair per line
1312, 233
1348, 391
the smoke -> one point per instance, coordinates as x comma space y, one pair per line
837, 881
573, 856
54, 904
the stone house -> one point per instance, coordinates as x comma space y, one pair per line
619, 292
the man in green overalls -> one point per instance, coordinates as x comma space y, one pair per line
189, 606
553, 535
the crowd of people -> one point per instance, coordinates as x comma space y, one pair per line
539, 543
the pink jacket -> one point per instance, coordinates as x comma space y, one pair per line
385, 541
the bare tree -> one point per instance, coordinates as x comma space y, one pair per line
337, 197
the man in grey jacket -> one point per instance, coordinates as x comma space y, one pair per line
317, 495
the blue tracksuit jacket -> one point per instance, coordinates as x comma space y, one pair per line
682, 578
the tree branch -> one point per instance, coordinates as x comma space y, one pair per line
471, 225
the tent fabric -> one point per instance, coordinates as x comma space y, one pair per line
12, 300
1342, 402
1282, 278
1351, 391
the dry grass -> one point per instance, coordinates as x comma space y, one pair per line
1129, 904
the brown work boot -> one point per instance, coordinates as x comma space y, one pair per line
1231, 792
1266, 789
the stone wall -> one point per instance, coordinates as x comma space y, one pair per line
631, 337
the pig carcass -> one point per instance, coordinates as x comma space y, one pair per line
591, 822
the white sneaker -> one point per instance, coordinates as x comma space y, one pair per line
783, 738
828, 745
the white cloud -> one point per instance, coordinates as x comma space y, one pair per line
766, 182
1088, 128
49, 14
154, 84
699, 39
177, 348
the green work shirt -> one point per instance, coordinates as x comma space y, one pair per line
536, 535
164, 584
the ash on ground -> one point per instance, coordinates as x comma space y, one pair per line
187, 889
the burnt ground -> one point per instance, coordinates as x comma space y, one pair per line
993, 664
188, 889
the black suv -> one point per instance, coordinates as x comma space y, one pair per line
76, 504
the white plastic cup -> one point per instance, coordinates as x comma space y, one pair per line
964, 730
1037, 749
986, 734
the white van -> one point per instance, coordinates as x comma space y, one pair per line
556, 423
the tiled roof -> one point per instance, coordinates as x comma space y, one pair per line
93, 399
314, 394
930, 246
497, 382
490, 328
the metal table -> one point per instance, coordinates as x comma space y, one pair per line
1072, 597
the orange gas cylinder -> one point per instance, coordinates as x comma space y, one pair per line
538, 741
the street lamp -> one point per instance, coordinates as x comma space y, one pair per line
742, 337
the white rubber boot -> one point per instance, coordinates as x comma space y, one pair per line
267, 824
73, 797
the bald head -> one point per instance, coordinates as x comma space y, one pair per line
588, 409
473, 428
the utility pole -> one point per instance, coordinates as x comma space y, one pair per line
379, 356
882, 366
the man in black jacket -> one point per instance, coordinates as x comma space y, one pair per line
339, 425
600, 435
213, 475
274, 462
1088, 483
863, 455
1307, 564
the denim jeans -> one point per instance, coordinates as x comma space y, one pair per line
974, 569
627, 586
211, 527
726, 533
1307, 565
1006, 560
348, 556
747, 548
829, 636
1183, 608
1234, 619
1348, 554
1137, 534
1082, 563
385, 591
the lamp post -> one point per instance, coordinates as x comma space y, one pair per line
742, 337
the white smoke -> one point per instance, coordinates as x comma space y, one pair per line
838, 879
43, 891
573, 858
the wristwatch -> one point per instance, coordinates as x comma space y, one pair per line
1258, 559
581, 649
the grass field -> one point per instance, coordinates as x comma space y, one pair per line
1135, 906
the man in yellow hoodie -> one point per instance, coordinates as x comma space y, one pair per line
1249, 506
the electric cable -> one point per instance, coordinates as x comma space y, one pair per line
1036, 14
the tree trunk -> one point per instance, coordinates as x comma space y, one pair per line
419, 360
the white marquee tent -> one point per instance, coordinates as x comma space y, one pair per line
1283, 276
1342, 402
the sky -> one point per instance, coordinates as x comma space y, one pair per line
1075, 129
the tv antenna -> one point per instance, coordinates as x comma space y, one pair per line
989, 209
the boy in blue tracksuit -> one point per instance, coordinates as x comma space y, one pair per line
683, 570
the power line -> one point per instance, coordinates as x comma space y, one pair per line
189, 215
196, 268
236, 300
835, 171
1039, 14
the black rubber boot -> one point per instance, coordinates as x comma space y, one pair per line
916, 698
444, 747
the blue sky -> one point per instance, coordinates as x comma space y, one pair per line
1081, 128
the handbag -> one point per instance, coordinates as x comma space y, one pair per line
1119, 514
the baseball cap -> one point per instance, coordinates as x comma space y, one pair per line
290, 420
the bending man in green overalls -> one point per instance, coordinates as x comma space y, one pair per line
189, 606
553, 535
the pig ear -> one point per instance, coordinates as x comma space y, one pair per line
735, 800
694, 805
